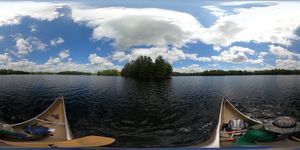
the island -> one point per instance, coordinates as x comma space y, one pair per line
144, 67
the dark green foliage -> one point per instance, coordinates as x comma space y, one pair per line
73, 73
144, 67
45, 73
239, 72
9, 71
110, 72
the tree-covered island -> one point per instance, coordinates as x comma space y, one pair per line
144, 67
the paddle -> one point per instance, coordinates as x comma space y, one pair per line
88, 141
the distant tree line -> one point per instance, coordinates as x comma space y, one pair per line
144, 67
73, 73
9, 71
239, 72
109, 72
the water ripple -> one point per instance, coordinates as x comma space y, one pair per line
176, 112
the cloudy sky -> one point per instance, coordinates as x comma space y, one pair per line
193, 35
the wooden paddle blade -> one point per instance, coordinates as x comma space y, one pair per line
88, 141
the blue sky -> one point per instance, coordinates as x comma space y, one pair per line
192, 35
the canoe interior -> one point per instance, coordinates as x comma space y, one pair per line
53, 117
230, 112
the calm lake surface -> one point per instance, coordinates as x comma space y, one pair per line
174, 112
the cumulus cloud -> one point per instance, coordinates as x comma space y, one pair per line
282, 52
4, 58
218, 12
27, 65
287, 64
236, 55
189, 69
157, 27
275, 23
166, 32
54, 60
262, 54
285, 58
37, 43
56, 41
24, 46
171, 55
12, 13
139, 26
64, 54
54, 64
99, 61
239, 3
33, 28
1, 37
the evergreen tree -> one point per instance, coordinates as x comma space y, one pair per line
144, 67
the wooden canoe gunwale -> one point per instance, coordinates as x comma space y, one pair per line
62, 135
32, 119
58, 102
68, 129
239, 112
214, 140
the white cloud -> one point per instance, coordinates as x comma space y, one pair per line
239, 3
57, 41
189, 69
256, 61
262, 55
161, 28
121, 56
23, 65
12, 12
218, 12
64, 54
33, 28
99, 61
275, 23
260, 58
4, 58
171, 55
287, 64
236, 55
139, 26
282, 52
1, 37
24, 46
54, 60
37, 43
129, 27
54, 65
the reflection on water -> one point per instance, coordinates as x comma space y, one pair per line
174, 112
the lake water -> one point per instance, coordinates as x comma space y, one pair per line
173, 112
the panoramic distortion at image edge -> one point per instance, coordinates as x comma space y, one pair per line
192, 36
138, 73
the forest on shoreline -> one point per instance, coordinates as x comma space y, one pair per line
204, 73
